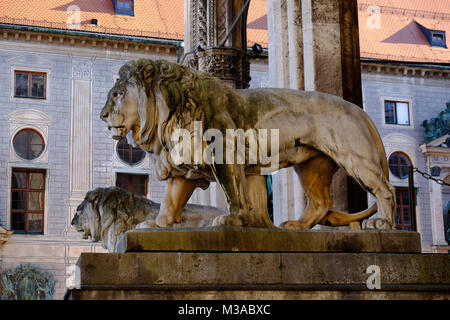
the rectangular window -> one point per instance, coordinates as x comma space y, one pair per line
403, 217
438, 37
27, 200
396, 112
136, 183
30, 84
123, 4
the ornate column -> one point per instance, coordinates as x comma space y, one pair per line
437, 156
207, 24
80, 167
314, 45
286, 71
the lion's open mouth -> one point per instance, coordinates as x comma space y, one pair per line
115, 127
118, 132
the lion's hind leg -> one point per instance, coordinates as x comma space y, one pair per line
372, 178
386, 199
315, 176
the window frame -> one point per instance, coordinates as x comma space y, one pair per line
124, 10
130, 150
125, 1
27, 190
30, 77
38, 133
441, 36
401, 208
395, 112
407, 157
130, 178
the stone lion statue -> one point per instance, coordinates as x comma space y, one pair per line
107, 213
318, 133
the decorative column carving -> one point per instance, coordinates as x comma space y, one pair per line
437, 156
229, 64
208, 24
80, 133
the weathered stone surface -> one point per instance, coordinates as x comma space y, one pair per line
168, 294
251, 275
107, 213
268, 240
396, 270
157, 268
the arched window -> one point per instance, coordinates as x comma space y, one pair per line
399, 164
129, 154
28, 144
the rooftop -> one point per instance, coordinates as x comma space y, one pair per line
389, 30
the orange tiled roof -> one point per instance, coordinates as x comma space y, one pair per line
398, 38
152, 18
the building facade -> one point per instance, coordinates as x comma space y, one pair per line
54, 147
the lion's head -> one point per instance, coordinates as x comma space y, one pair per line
107, 213
87, 216
151, 99
132, 102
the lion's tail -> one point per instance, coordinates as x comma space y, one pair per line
335, 218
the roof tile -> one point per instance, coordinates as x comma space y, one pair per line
398, 38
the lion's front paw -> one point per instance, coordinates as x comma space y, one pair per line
292, 224
164, 221
377, 223
147, 224
229, 220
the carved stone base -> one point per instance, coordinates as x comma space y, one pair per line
219, 264
238, 239
228, 64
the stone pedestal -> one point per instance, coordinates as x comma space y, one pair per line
250, 263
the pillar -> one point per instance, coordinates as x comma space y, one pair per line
80, 166
207, 23
437, 219
314, 45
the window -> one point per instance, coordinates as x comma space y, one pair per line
438, 37
403, 217
124, 4
30, 84
136, 183
396, 112
27, 200
124, 7
128, 153
28, 144
399, 165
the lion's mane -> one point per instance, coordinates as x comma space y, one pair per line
175, 92
106, 214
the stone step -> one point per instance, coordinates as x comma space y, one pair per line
260, 275
238, 239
